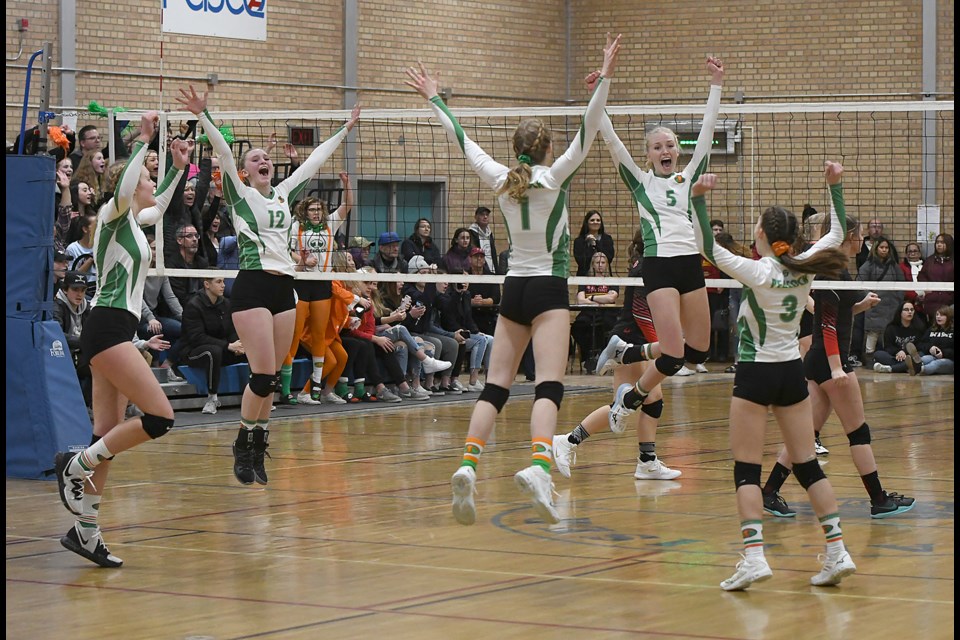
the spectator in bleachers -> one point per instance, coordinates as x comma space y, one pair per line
61, 263
70, 309
92, 169
882, 265
421, 323
228, 257
64, 212
485, 298
457, 257
391, 309
910, 265
482, 234
874, 233
152, 163
161, 314
89, 140
716, 225
187, 257
388, 258
591, 326
209, 339
903, 329
187, 206
591, 239
420, 243
933, 353
938, 268
81, 252
455, 314
210, 243
359, 248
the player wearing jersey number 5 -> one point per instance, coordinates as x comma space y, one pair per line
122, 255
770, 371
262, 297
672, 271
534, 304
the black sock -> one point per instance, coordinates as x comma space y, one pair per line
648, 451
778, 476
633, 354
578, 435
633, 399
871, 482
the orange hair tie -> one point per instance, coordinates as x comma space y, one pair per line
780, 247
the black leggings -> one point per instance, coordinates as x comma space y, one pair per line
211, 357
361, 361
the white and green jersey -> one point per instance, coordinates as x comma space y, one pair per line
120, 249
318, 240
537, 228
768, 322
664, 202
263, 223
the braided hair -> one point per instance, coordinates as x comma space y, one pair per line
531, 141
781, 225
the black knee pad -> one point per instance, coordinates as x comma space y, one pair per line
94, 439
263, 384
654, 409
668, 365
694, 355
860, 436
808, 473
549, 389
495, 395
155, 426
745, 473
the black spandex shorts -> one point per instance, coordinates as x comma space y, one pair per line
106, 327
806, 324
816, 367
524, 298
313, 290
683, 273
628, 331
780, 384
259, 289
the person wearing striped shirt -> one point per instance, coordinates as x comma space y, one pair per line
262, 297
534, 305
120, 373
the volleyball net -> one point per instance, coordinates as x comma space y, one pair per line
897, 156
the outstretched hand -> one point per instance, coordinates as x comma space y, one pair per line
610, 52
345, 179
193, 102
148, 125
707, 182
832, 172
354, 117
421, 81
715, 68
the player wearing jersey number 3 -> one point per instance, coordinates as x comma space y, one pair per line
770, 372
262, 298
534, 304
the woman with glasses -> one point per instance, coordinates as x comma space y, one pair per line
312, 245
534, 305
262, 298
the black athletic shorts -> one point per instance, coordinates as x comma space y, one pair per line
806, 324
816, 367
780, 384
313, 290
524, 298
106, 327
628, 331
683, 273
259, 290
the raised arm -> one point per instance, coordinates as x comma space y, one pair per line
489, 170
180, 152
701, 153
130, 176
197, 105
338, 216
575, 154
749, 272
832, 173
299, 179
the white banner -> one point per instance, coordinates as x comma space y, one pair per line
243, 19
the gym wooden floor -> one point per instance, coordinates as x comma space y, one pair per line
353, 537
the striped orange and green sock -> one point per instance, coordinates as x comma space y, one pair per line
471, 452
752, 532
542, 453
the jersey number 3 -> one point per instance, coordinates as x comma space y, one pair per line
789, 308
